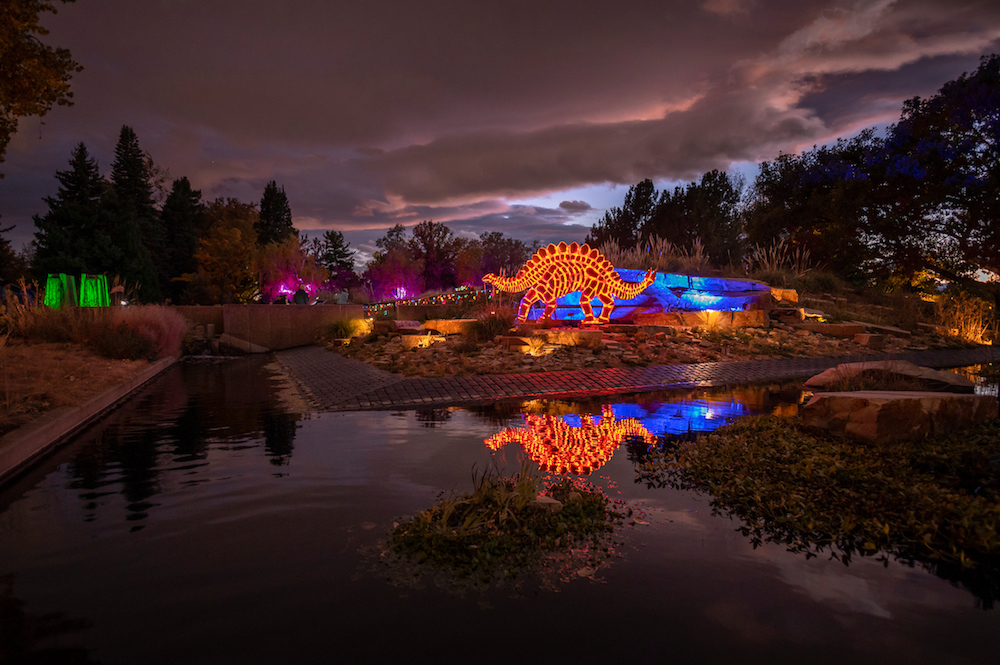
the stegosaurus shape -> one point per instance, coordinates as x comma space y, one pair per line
559, 448
557, 270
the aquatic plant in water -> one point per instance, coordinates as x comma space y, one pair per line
936, 501
506, 527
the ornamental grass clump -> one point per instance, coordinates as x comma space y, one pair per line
500, 530
493, 321
936, 500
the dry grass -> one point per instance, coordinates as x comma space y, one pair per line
776, 258
35, 378
659, 254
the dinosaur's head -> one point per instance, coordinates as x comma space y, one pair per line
650, 275
491, 278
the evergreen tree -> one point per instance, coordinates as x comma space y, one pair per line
275, 223
335, 254
136, 217
706, 211
181, 217
76, 234
622, 225
12, 265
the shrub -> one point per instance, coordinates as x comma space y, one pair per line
818, 281
965, 315
162, 326
120, 341
98, 328
497, 320
343, 329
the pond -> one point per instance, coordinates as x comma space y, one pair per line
205, 522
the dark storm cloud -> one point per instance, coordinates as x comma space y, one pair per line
381, 112
575, 206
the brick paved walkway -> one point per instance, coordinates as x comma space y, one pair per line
335, 383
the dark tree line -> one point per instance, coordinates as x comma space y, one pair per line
113, 226
706, 211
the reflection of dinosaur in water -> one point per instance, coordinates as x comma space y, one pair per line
555, 271
559, 448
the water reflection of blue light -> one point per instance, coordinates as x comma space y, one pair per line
696, 415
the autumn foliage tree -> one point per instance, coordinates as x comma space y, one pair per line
227, 251
285, 266
33, 76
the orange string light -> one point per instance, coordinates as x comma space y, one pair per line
558, 270
559, 448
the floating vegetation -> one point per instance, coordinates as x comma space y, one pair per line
935, 501
506, 530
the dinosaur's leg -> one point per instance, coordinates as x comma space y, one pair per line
546, 296
607, 304
529, 298
588, 310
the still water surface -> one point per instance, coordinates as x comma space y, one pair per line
204, 523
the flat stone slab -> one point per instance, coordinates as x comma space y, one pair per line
885, 417
590, 339
450, 326
755, 318
832, 329
931, 379
886, 330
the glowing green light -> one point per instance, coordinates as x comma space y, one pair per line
94, 291
60, 290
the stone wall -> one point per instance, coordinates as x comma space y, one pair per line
202, 315
275, 327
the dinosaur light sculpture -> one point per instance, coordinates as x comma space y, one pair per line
558, 447
558, 270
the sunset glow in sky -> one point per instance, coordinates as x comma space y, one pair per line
526, 117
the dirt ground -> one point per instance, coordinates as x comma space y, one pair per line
35, 378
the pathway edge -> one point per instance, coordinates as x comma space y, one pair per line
28, 444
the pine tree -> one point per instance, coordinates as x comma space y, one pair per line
75, 235
275, 223
335, 254
136, 217
181, 216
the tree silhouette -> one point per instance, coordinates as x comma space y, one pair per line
275, 220
33, 76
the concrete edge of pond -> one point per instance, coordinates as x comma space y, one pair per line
30, 443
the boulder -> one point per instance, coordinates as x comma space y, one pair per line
548, 503
511, 342
870, 340
930, 379
419, 341
785, 295
886, 416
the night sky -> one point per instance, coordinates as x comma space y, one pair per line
526, 117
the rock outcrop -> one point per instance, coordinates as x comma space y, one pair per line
887, 416
927, 378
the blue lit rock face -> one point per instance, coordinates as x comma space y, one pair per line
670, 293
681, 417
